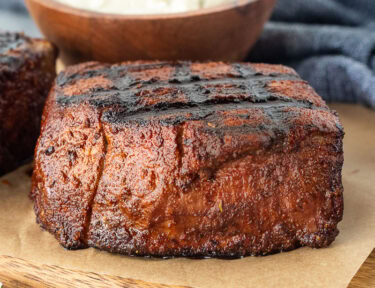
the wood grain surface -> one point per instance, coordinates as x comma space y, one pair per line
16, 272
365, 276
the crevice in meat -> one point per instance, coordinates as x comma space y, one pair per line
180, 144
99, 177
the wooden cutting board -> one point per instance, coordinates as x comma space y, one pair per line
15, 272
365, 276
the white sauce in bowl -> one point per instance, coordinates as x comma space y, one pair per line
138, 7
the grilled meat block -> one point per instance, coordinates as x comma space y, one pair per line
27, 69
188, 159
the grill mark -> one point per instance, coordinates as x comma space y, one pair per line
182, 72
199, 112
127, 91
233, 79
137, 67
243, 89
112, 72
196, 94
65, 79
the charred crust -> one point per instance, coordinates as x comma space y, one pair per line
27, 70
122, 101
197, 159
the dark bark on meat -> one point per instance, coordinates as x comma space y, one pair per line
27, 69
188, 159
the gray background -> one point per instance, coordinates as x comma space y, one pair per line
14, 17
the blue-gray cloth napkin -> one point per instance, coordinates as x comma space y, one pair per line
331, 44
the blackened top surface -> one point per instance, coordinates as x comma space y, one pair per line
174, 92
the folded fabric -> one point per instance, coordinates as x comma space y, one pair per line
14, 17
330, 43
339, 79
14, 5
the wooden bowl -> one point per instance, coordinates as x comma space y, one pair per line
226, 32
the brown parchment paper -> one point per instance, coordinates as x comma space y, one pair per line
305, 267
